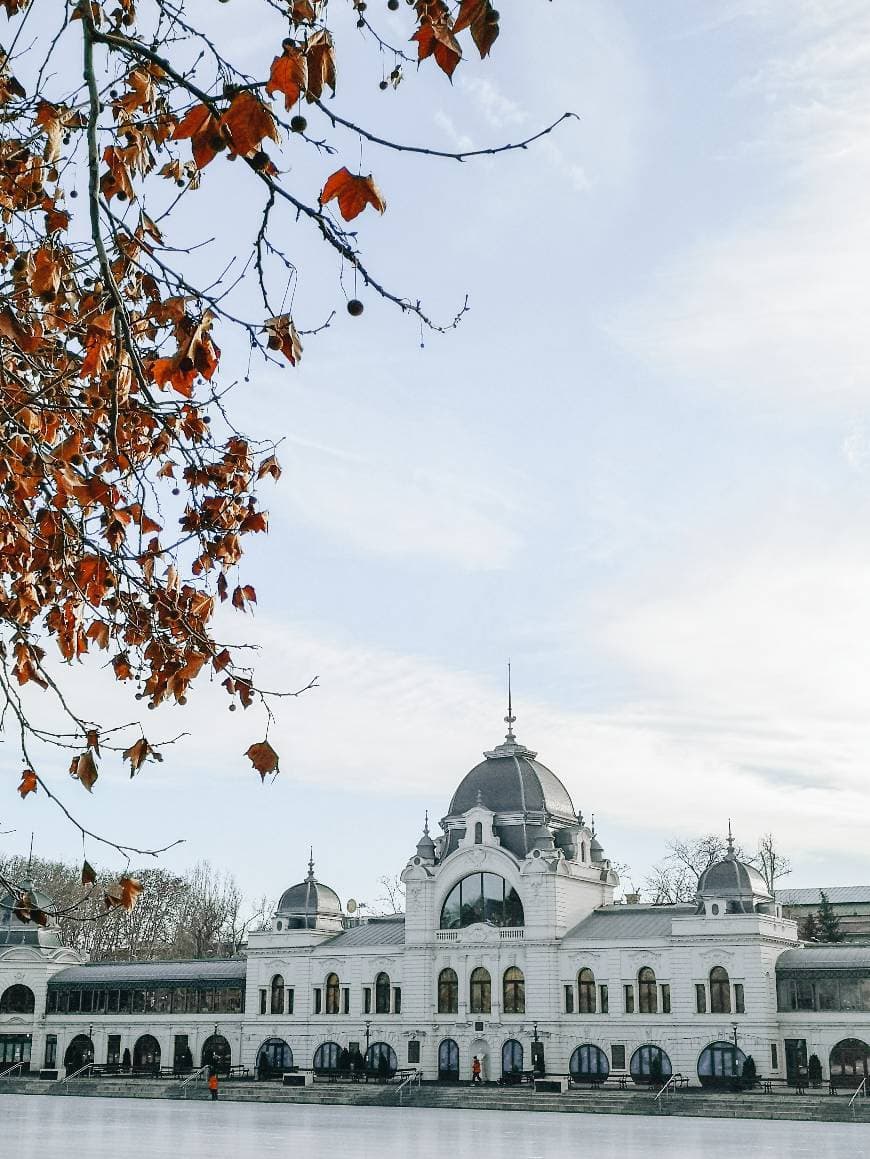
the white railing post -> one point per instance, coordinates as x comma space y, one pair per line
668, 1084
862, 1089
197, 1074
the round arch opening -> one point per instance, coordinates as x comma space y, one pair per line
650, 1064
328, 1058
850, 1060
512, 1057
216, 1054
17, 999
589, 1064
381, 1060
146, 1055
78, 1054
721, 1065
274, 1058
482, 897
448, 1061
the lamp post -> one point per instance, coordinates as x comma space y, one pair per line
368, 1036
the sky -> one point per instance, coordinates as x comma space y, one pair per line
640, 468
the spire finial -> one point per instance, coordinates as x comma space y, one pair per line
30, 859
593, 824
426, 824
510, 718
730, 840
311, 863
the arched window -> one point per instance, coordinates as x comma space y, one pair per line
332, 995
79, 1052
646, 991
216, 1054
719, 1064
589, 1063
274, 1058
327, 1057
382, 994
381, 1060
17, 999
586, 989
448, 1061
481, 991
513, 991
650, 1064
512, 1057
849, 1059
482, 897
146, 1055
478, 832
720, 991
277, 1004
448, 992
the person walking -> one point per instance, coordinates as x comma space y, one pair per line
475, 1070
213, 1085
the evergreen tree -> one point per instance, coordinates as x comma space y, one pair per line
749, 1072
828, 921
808, 929
814, 1071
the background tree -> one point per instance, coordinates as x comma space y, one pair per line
770, 861
827, 921
814, 1070
808, 928
127, 487
675, 878
392, 901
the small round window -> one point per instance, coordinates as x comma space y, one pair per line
714, 908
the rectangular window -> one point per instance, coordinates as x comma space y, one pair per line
865, 993
413, 1050
617, 1055
739, 1007
112, 1001
262, 1001
569, 999
87, 1001
367, 999
150, 1001
318, 1000
75, 1001
774, 1056
289, 1001
163, 1001
100, 1002
826, 994
50, 1051
666, 998
397, 1000
62, 1001
113, 1050
51, 1002
849, 996
804, 995
138, 1001
345, 1000
124, 1001
628, 992
604, 1000
700, 998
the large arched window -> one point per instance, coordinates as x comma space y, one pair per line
720, 991
448, 1061
481, 991
720, 1063
332, 994
274, 1058
448, 992
381, 1060
277, 1003
146, 1055
647, 998
482, 897
586, 990
589, 1063
512, 1057
327, 1057
513, 991
17, 999
79, 1052
650, 1064
382, 994
216, 1054
849, 1059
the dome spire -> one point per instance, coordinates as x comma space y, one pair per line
510, 719
730, 855
311, 863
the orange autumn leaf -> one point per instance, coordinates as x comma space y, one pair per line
289, 75
28, 782
482, 19
320, 54
264, 758
284, 337
436, 39
248, 122
84, 769
89, 875
353, 192
204, 132
137, 754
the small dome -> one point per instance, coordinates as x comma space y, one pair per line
740, 885
426, 846
38, 900
308, 905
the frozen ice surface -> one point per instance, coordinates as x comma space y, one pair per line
95, 1128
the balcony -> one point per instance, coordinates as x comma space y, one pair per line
505, 933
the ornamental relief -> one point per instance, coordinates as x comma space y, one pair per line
640, 958
715, 956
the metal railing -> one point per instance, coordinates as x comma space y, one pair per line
78, 1073
862, 1090
5, 1074
414, 1078
670, 1085
201, 1072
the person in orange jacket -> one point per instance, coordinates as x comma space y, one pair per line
213, 1085
475, 1070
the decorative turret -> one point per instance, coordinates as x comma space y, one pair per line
426, 846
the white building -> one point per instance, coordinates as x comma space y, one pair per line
512, 949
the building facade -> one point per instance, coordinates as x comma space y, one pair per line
512, 949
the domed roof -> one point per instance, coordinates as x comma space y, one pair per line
740, 884
304, 903
510, 780
14, 931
